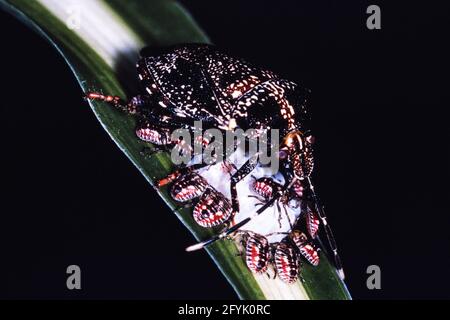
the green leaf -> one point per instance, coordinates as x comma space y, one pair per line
101, 51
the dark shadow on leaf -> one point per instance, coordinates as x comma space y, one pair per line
125, 68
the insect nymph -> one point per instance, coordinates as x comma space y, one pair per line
197, 82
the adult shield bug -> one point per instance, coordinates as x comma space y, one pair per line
197, 82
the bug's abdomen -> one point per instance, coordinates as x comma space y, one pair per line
286, 263
212, 209
257, 253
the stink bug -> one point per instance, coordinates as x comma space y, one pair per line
197, 82
212, 209
306, 248
286, 263
257, 252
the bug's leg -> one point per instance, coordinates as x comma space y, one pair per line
258, 197
272, 261
260, 200
240, 174
147, 152
228, 167
287, 215
279, 214
328, 231
271, 272
239, 252
187, 189
282, 208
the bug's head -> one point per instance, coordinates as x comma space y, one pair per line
298, 236
296, 152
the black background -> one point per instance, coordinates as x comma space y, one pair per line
69, 196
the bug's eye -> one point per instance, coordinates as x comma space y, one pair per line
310, 139
282, 154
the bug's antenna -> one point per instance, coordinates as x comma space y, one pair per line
227, 232
287, 215
328, 231
113, 100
